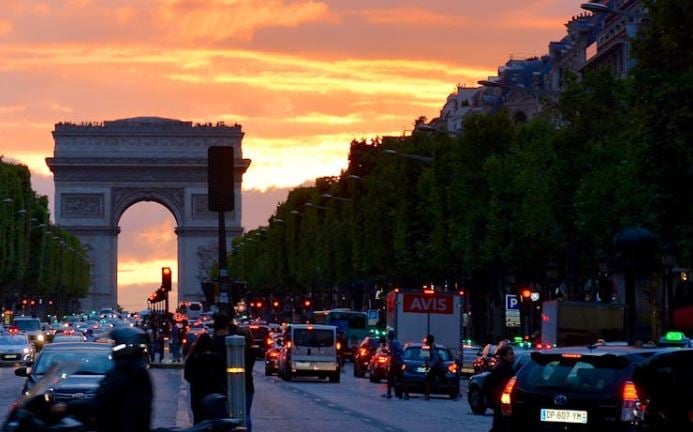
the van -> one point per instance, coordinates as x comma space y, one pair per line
309, 350
194, 310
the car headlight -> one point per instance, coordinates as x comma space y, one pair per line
25, 350
39, 338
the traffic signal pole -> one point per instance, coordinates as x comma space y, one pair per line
224, 281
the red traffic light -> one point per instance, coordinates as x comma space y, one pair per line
526, 293
258, 304
306, 303
166, 278
275, 304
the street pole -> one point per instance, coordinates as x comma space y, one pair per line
223, 270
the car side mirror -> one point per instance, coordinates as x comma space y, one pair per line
22, 372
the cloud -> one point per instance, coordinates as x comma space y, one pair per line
5, 27
218, 20
409, 15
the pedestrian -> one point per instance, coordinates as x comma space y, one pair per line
495, 383
175, 343
160, 345
435, 365
395, 371
341, 349
205, 370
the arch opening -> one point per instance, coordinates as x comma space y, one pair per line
146, 243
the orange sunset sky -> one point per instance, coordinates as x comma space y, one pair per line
303, 78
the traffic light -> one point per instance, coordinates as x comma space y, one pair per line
526, 293
166, 278
306, 303
275, 304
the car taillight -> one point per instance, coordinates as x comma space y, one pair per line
631, 410
268, 341
339, 346
273, 354
382, 359
506, 399
452, 368
363, 351
288, 344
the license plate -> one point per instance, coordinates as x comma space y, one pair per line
303, 365
563, 416
11, 356
421, 369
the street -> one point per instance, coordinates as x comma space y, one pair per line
305, 405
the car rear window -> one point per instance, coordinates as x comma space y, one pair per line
313, 338
259, 332
420, 354
13, 340
584, 374
28, 325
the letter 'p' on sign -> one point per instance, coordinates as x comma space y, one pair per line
220, 187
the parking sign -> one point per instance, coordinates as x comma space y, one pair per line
511, 302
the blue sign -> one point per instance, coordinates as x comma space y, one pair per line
511, 302
373, 315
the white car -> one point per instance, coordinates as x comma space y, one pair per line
15, 348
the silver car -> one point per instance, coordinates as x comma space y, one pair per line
15, 348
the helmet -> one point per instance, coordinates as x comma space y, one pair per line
128, 342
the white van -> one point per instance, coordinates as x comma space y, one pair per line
194, 310
309, 350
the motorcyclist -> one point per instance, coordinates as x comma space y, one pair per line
123, 401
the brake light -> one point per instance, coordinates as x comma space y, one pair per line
571, 356
452, 368
363, 351
506, 399
273, 354
288, 344
339, 346
382, 359
631, 409
269, 341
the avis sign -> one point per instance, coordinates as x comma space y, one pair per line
428, 303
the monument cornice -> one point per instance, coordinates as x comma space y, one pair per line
60, 162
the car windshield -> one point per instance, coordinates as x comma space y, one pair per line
313, 338
28, 325
420, 354
13, 340
582, 374
88, 362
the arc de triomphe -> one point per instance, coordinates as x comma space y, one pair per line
101, 169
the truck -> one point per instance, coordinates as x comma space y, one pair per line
566, 323
415, 314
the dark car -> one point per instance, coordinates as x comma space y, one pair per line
272, 356
476, 395
363, 354
485, 359
89, 360
666, 384
260, 334
576, 389
416, 357
379, 364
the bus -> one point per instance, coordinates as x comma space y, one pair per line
354, 324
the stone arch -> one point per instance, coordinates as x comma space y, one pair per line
102, 169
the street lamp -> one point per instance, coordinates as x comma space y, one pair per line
425, 159
315, 206
330, 196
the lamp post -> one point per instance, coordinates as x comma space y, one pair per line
668, 256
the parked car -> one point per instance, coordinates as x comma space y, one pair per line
15, 348
470, 352
666, 384
576, 389
416, 357
363, 354
379, 364
90, 361
476, 394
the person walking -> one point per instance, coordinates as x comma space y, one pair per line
495, 383
175, 343
435, 365
205, 371
395, 373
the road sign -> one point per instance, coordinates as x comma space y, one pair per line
511, 302
372, 316
512, 321
223, 297
428, 303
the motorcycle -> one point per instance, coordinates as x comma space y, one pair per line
33, 411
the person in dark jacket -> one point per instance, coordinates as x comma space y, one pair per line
495, 383
435, 366
205, 370
123, 401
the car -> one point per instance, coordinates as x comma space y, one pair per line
379, 364
77, 337
260, 333
576, 389
416, 356
476, 394
32, 328
485, 359
470, 352
272, 356
363, 354
309, 350
15, 348
89, 360
666, 384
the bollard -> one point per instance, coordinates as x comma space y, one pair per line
235, 376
